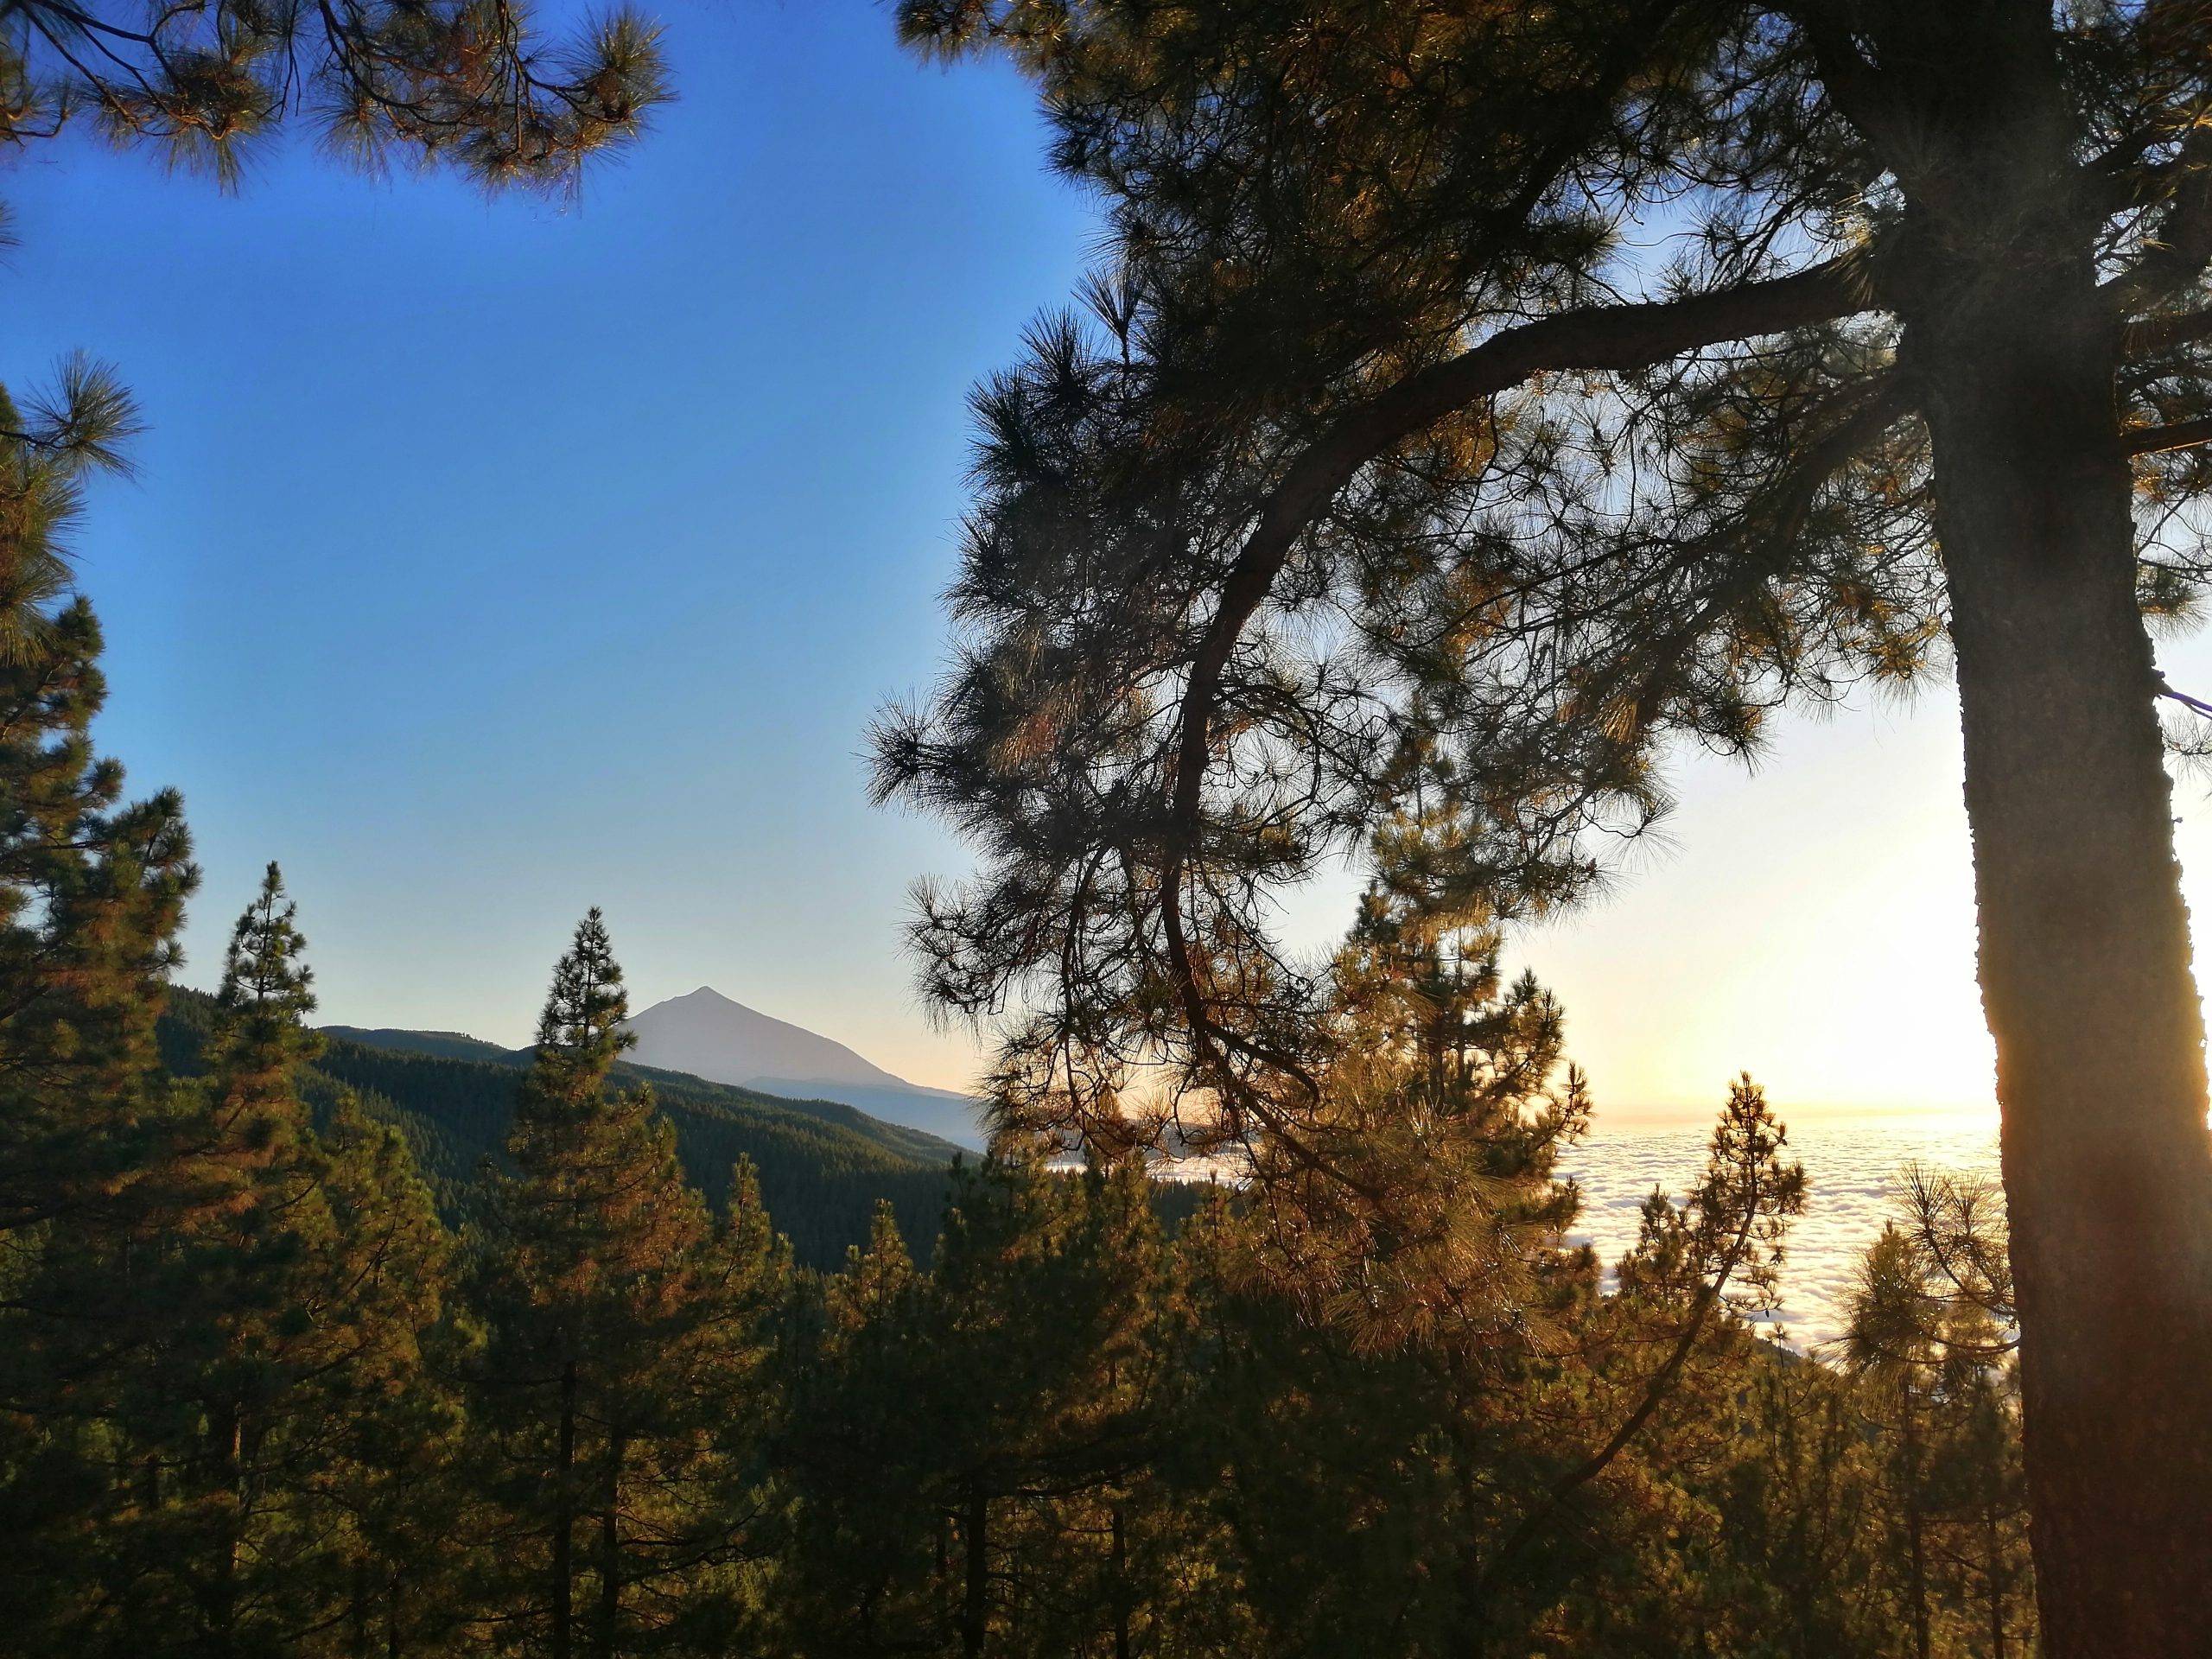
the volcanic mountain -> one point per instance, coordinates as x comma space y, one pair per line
711, 1036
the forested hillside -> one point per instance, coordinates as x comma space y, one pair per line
260, 1397
822, 1167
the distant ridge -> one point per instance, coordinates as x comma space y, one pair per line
823, 1166
444, 1045
711, 1037
715, 1037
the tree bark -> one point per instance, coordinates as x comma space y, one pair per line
2087, 989
2084, 949
2084, 939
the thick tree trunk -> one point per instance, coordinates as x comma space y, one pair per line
2084, 950
2085, 981
2085, 970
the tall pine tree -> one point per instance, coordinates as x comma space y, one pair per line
620, 1337
1407, 452
392, 1511
91, 891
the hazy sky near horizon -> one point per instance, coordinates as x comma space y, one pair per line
487, 561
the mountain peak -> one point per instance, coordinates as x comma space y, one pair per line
718, 1037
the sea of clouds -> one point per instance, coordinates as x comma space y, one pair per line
1852, 1164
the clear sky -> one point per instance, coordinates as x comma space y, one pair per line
488, 560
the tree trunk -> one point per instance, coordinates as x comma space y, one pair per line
2087, 985
230, 1461
610, 1551
2084, 949
974, 1610
1914, 1524
359, 1608
1120, 1586
564, 1519
1996, 1587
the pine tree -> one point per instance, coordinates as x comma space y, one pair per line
1045, 1300
278, 1432
859, 1573
1930, 1339
1399, 1296
1416, 1202
1796, 1512
390, 1508
970, 1447
247, 1325
620, 1342
235, 1296
1391, 459
91, 891
1893, 1345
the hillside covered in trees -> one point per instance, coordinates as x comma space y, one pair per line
822, 1167
263, 1398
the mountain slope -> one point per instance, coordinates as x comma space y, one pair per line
446, 1045
823, 1166
711, 1036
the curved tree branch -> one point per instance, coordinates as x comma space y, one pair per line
1606, 338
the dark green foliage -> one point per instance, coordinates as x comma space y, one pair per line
1930, 1340
1313, 1421
968, 1444
444, 1045
821, 1167
614, 1403
91, 890
1041, 1446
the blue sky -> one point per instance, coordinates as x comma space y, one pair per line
488, 560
